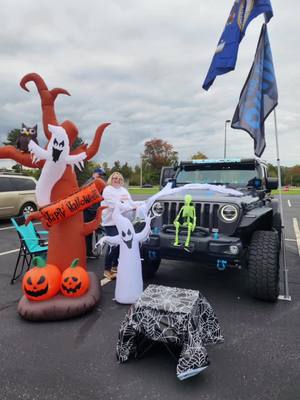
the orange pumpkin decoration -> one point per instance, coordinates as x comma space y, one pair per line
75, 281
41, 282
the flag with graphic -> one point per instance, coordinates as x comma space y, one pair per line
259, 95
241, 14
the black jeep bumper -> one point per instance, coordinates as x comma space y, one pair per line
214, 249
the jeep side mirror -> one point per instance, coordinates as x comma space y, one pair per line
167, 180
271, 183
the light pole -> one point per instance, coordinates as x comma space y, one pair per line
141, 172
226, 122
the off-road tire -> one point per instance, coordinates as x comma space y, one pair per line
149, 266
276, 225
263, 266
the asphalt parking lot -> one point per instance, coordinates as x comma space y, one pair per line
75, 359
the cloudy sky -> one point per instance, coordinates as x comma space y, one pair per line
140, 65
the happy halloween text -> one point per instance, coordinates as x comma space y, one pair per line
69, 207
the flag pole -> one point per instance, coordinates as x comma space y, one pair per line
285, 295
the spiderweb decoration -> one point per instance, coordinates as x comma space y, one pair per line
175, 316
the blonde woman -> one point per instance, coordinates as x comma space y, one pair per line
112, 193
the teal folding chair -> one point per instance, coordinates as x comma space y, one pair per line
31, 244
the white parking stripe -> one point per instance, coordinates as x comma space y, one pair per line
297, 233
9, 252
289, 203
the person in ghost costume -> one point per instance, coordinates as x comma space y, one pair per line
57, 157
129, 285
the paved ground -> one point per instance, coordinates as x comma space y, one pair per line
75, 359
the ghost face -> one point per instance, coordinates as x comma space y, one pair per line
59, 143
127, 237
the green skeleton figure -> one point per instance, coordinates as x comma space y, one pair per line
188, 214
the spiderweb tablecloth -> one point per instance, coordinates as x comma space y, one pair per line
174, 316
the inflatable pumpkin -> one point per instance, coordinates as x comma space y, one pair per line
75, 281
41, 282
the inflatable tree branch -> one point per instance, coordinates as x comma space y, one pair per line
58, 180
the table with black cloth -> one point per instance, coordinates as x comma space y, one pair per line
174, 316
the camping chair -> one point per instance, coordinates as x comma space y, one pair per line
31, 244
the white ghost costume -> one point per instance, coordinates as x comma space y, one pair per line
129, 284
57, 157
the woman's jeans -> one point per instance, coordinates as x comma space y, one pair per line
112, 252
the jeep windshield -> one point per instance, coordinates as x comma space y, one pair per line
234, 175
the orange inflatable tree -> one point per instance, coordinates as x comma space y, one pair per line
67, 238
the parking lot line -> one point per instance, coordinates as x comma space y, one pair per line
297, 233
9, 252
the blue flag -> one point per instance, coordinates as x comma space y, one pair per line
242, 12
259, 95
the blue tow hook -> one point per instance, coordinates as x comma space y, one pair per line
222, 264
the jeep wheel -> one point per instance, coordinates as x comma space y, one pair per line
150, 263
276, 225
263, 266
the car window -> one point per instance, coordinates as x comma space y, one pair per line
5, 184
23, 184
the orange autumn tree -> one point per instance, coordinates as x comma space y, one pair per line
66, 239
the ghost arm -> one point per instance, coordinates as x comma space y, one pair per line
37, 152
110, 240
77, 160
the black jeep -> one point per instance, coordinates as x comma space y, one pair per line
231, 232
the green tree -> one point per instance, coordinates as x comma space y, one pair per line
199, 156
157, 154
12, 137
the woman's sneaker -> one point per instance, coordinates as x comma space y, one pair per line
114, 269
109, 274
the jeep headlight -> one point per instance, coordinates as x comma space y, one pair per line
158, 209
229, 213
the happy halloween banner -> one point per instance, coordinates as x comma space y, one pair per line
71, 205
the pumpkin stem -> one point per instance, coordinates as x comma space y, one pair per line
38, 262
74, 263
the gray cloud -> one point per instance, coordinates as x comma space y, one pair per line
140, 65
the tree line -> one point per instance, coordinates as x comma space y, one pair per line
157, 154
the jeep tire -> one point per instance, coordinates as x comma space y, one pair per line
263, 266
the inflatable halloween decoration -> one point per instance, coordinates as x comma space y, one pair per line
26, 134
71, 205
66, 240
56, 157
75, 281
129, 285
188, 214
41, 282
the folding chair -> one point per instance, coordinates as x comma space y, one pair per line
31, 244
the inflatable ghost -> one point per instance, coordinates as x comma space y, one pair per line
143, 207
129, 284
57, 157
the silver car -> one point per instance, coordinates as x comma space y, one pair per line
17, 195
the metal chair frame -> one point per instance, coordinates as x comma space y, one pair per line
31, 244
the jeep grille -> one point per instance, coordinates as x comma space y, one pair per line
206, 213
